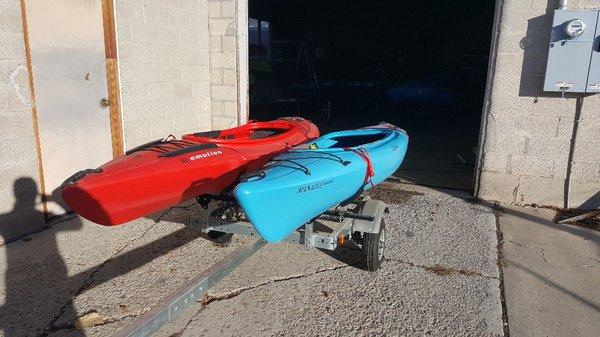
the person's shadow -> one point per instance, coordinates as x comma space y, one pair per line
37, 298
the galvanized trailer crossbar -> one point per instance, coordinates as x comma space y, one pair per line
361, 221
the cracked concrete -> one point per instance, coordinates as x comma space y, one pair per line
440, 277
75, 268
551, 275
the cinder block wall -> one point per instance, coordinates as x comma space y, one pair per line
529, 133
19, 178
164, 67
223, 62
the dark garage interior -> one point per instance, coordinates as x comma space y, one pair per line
420, 65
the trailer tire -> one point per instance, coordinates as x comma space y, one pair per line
374, 248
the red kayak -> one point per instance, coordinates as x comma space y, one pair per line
164, 173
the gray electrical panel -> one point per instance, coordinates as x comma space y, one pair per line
594, 76
573, 58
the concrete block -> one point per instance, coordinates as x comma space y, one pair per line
147, 110
224, 92
496, 162
531, 166
159, 54
129, 11
201, 57
587, 4
182, 90
146, 72
215, 44
161, 127
512, 42
199, 23
201, 89
590, 109
169, 4
504, 143
172, 108
190, 39
229, 43
223, 60
204, 121
228, 9
219, 122
191, 107
216, 76
206, 103
214, 9
554, 106
153, 14
169, 36
136, 133
513, 106
180, 19
145, 33
530, 19
496, 186
193, 73
222, 26
541, 126
584, 195
230, 109
134, 91
585, 171
547, 147
190, 6
160, 91
171, 72
216, 108
542, 191
229, 77
589, 130
131, 52
126, 72
181, 55
588, 151
565, 128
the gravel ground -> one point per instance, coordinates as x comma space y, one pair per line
440, 277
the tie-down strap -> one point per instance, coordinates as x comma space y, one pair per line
370, 173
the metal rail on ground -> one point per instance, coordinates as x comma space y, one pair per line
175, 305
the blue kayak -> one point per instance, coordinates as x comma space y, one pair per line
306, 181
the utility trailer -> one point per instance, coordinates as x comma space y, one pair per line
360, 222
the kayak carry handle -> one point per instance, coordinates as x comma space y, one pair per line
189, 149
78, 176
144, 146
250, 176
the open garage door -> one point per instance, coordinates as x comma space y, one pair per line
420, 65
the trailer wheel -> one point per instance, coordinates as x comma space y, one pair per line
374, 248
219, 237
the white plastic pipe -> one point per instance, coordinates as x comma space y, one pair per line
562, 4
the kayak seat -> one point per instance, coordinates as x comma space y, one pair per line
208, 134
265, 133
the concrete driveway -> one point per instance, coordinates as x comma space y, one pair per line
55, 278
440, 277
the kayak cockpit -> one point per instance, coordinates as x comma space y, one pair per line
246, 133
356, 138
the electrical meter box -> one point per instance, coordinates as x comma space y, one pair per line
574, 54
